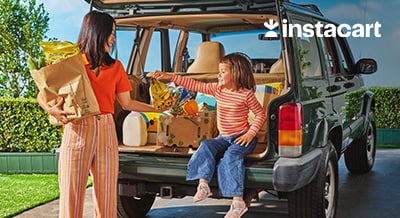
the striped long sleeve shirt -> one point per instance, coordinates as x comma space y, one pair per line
232, 107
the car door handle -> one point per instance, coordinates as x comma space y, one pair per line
333, 88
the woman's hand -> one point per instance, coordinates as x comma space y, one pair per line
244, 140
57, 112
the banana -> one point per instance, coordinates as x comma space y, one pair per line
158, 87
58, 50
160, 94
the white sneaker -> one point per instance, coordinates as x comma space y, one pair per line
203, 192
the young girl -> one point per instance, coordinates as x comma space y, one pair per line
90, 144
234, 93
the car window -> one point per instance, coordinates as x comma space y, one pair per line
309, 57
327, 54
122, 48
154, 53
307, 48
189, 54
233, 42
153, 57
262, 51
193, 43
333, 54
343, 65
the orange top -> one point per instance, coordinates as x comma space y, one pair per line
110, 81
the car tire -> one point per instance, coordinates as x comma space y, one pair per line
360, 156
134, 207
319, 198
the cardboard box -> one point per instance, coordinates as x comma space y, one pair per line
151, 138
185, 131
151, 119
265, 94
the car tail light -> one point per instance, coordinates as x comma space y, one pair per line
290, 130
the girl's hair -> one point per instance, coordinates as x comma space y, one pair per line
242, 70
95, 31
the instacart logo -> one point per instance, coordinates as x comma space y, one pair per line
323, 30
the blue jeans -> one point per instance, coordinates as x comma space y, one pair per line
231, 170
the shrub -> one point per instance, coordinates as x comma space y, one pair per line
387, 106
25, 127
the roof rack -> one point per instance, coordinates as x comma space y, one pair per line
311, 7
147, 7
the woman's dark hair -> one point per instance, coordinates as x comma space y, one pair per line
96, 28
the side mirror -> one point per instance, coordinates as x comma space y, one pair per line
366, 66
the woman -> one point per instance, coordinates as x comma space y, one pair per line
90, 144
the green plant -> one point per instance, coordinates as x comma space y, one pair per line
25, 127
23, 26
353, 103
387, 106
19, 192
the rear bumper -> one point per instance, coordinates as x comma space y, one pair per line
290, 174
139, 174
152, 169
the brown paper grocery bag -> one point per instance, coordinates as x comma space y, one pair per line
67, 79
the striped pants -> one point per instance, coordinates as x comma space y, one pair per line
89, 145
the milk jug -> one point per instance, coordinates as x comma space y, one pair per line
134, 130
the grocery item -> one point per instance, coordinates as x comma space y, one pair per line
59, 50
160, 94
134, 130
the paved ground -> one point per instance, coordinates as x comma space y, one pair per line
375, 194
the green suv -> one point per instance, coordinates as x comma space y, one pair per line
310, 122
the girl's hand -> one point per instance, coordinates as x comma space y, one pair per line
158, 75
244, 140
